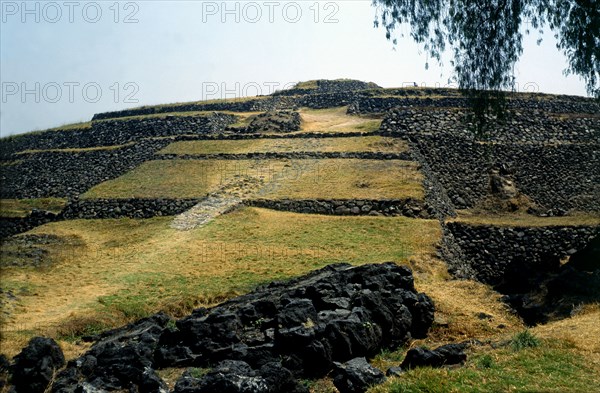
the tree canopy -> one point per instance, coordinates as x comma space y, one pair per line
486, 36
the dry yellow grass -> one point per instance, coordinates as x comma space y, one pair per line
350, 144
301, 178
336, 120
184, 178
459, 304
349, 178
123, 269
581, 330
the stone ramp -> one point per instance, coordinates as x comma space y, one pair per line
205, 211
228, 197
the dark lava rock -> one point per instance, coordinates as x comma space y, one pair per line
588, 258
4, 370
122, 358
442, 356
394, 372
356, 376
34, 367
267, 338
235, 376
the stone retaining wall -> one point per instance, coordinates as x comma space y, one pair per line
147, 208
435, 193
564, 104
67, 174
114, 132
329, 86
129, 207
38, 140
363, 100
348, 207
549, 175
498, 254
523, 126
250, 105
13, 225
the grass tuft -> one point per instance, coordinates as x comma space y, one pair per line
524, 339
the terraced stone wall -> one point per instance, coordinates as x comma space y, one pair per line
12, 225
349, 207
114, 132
499, 254
558, 178
67, 174
565, 104
552, 160
127, 207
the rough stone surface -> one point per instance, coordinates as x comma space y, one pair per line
502, 256
588, 258
12, 225
235, 376
34, 367
116, 132
126, 207
356, 376
275, 121
121, 359
351, 207
68, 174
4, 370
364, 103
442, 356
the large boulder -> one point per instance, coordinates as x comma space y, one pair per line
34, 367
122, 358
442, 356
356, 376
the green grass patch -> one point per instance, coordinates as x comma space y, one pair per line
552, 366
23, 207
524, 340
312, 84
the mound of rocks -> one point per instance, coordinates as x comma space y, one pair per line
275, 121
35, 366
263, 341
321, 86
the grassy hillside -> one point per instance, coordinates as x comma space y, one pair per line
125, 269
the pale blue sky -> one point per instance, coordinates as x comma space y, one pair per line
178, 51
